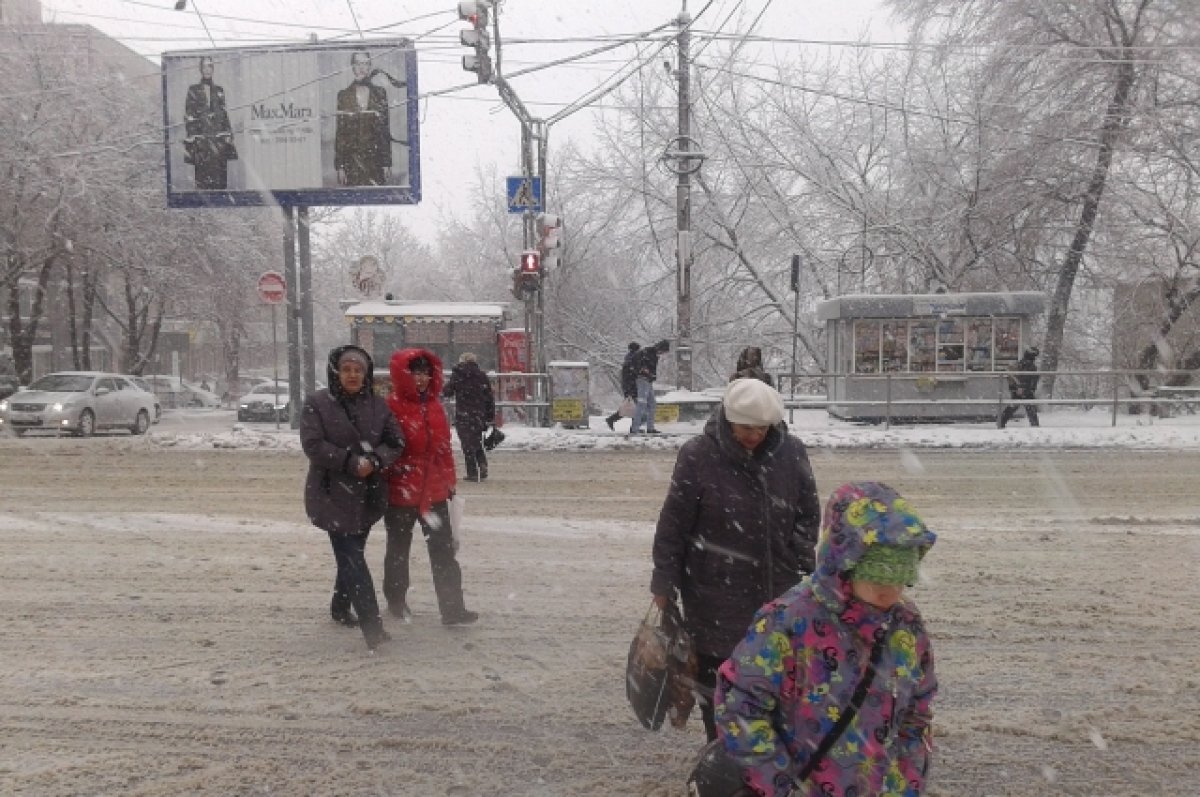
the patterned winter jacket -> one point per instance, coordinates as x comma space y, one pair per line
788, 681
424, 473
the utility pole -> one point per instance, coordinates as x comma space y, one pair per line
683, 209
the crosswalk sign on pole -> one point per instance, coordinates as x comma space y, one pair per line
524, 194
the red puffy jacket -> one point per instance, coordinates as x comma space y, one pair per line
424, 473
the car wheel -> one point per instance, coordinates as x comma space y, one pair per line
19, 432
87, 423
142, 424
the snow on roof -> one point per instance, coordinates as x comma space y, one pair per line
906, 305
427, 311
567, 364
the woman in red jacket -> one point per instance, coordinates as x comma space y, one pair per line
420, 483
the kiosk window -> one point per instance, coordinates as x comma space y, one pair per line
950, 345
866, 347
895, 346
979, 345
922, 345
1008, 342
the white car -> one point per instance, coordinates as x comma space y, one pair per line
80, 402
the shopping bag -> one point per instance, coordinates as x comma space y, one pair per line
660, 669
626, 408
455, 506
493, 439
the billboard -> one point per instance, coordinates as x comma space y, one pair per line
312, 124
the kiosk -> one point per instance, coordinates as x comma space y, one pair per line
929, 357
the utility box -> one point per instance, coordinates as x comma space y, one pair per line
568, 393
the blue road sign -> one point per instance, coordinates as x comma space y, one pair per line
524, 194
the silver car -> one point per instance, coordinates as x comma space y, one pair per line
80, 402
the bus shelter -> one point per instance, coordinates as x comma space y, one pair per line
930, 357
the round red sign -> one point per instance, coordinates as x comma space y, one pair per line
272, 287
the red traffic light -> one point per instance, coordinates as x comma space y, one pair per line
531, 262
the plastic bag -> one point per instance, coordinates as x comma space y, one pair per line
626, 408
660, 669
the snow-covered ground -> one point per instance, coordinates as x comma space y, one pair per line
1062, 429
164, 615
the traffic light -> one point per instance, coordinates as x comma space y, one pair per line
476, 37
549, 239
527, 277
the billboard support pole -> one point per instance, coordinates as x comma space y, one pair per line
293, 313
308, 345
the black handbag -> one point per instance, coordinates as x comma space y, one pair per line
493, 438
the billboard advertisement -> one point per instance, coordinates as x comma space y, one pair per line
312, 124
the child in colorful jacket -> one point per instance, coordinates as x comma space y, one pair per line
787, 683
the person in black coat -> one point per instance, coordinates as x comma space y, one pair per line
750, 366
349, 436
738, 527
628, 382
208, 143
474, 411
1022, 384
645, 366
362, 140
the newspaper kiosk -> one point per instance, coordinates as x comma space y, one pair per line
926, 357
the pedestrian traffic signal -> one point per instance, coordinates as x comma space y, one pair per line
549, 239
476, 37
527, 276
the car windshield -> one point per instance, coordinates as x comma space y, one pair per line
62, 383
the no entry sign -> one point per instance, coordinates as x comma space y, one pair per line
272, 287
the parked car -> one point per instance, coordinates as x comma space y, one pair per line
142, 384
175, 392
265, 403
80, 402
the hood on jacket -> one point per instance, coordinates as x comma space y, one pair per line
335, 382
404, 388
859, 515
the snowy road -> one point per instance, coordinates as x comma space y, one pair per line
164, 630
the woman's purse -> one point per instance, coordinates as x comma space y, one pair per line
493, 438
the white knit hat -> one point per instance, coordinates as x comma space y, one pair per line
752, 402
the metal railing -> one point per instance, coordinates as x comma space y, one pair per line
1122, 390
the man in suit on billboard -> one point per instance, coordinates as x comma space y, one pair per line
209, 136
362, 146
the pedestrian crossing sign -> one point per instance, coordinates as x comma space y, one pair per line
524, 194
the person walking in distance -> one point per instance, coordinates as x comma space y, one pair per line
1022, 385
628, 382
474, 411
750, 366
349, 436
738, 526
420, 483
646, 370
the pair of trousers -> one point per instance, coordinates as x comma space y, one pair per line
1009, 411
439, 539
706, 676
354, 586
643, 412
470, 437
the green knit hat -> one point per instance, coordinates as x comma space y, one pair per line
888, 564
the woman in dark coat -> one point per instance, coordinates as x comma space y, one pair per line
420, 484
349, 436
738, 527
474, 411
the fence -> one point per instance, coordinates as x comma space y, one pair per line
1114, 389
